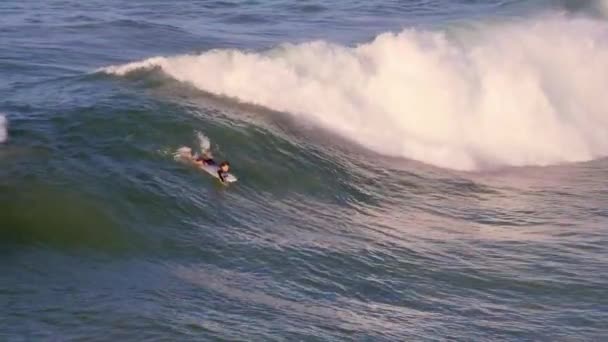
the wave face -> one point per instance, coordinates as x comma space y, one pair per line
529, 92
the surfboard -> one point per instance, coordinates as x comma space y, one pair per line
212, 170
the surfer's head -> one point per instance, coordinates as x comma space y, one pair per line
225, 166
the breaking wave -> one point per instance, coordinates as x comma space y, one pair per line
526, 92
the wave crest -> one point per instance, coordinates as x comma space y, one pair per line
531, 92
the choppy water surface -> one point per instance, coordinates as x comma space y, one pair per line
408, 170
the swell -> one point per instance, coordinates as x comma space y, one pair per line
525, 92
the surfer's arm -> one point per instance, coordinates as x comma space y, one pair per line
221, 176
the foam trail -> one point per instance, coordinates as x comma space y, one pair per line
531, 92
183, 154
3, 128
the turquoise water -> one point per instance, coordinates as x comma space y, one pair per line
408, 171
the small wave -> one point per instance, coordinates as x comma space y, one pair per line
527, 92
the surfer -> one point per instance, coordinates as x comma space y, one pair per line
207, 159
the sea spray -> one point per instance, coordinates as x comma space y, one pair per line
185, 153
203, 142
527, 92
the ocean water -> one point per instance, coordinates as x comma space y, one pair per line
423, 170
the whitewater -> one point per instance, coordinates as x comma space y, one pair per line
514, 93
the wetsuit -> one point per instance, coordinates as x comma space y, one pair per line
221, 174
207, 161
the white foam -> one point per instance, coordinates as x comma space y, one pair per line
3, 128
532, 92
182, 153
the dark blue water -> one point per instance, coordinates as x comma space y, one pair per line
408, 170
